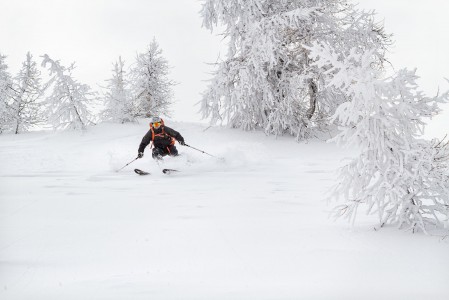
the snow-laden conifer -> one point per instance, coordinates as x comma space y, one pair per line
268, 79
398, 175
26, 94
5, 85
151, 86
68, 103
119, 103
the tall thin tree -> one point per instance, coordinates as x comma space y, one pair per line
26, 93
5, 85
151, 86
118, 98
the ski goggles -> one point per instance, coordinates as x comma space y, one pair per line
157, 124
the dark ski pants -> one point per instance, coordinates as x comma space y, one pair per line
158, 153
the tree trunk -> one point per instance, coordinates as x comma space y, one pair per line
313, 98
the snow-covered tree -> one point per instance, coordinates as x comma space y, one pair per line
118, 99
268, 79
5, 85
68, 103
26, 93
151, 86
399, 176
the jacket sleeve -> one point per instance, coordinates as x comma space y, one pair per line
145, 141
174, 134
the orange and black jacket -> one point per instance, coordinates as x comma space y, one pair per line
162, 137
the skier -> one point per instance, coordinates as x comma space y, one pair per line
163, 139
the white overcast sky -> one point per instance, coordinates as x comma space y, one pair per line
93, 33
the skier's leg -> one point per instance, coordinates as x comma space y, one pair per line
158, 153
172, 150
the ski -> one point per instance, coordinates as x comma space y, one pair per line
140, 172
169, 171
165, 171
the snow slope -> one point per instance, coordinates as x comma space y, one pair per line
254, 226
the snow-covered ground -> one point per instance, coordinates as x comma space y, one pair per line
254, 226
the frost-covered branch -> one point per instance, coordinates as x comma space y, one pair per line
397, 175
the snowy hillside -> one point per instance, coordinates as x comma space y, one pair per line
254, 226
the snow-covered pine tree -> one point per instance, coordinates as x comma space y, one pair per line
268, 79
151, 86
399, 176
68, 104
26, 93
119, 103
5, 84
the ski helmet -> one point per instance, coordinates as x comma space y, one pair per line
156, 122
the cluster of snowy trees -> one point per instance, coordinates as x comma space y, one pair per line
146, 90
293, 67
65, 103
24, 103
301, 66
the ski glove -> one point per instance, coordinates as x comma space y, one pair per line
182, 142
140, 155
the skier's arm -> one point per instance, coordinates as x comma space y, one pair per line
145, 141
175, 134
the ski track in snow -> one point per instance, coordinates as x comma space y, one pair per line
252, 226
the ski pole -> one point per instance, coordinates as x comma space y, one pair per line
127, 164
203, 151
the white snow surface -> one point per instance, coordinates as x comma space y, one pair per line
253, 226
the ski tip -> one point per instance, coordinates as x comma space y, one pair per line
140, 172
169, 171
